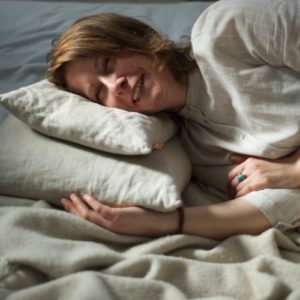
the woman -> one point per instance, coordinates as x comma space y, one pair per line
219, 91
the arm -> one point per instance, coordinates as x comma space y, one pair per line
264, 173
222, 220
217, 221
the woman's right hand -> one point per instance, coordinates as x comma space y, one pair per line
263, 173
132, 220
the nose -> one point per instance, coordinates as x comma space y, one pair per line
115, 85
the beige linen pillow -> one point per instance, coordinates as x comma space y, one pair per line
70, 117
36, 166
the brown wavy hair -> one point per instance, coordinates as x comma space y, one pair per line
111, 35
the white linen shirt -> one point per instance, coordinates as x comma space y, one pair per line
246, 97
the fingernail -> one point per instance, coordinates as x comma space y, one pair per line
86, 196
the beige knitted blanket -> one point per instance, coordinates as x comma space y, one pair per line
46, 253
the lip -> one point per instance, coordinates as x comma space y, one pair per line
142, 77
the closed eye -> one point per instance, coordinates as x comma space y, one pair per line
105, 63
106, 67
97, 93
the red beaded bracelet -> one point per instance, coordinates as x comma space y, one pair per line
180, 220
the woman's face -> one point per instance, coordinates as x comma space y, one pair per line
132, 82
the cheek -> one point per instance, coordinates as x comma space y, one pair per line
115, 102
159, 87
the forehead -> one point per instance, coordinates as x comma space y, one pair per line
79, 66
84, 64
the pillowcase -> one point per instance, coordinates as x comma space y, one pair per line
35, 166
70, 117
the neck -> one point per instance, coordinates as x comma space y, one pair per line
181, 95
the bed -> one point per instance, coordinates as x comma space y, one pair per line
47, 253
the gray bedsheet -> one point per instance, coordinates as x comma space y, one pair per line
27, 29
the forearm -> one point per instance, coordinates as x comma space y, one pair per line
295, 160
219, 221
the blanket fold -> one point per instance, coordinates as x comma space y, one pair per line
46, 253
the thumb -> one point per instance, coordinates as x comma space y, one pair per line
237, 158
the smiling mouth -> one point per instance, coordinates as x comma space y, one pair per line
138, 90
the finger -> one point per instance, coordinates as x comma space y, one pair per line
242, 193
79, 204
244, 190
235, 171
102, 214
251, 186
93, 202
238, 179
240, 187
91, 216
69, 206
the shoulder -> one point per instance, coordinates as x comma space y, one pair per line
248, 31
236, 14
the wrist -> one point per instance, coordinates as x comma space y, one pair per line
180, 223
297, 173
168, 223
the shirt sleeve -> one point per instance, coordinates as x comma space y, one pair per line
263, 31
248, 53
280, 206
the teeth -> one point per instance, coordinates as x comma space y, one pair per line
138, 89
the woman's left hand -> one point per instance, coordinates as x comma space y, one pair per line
130, 220
263, 173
